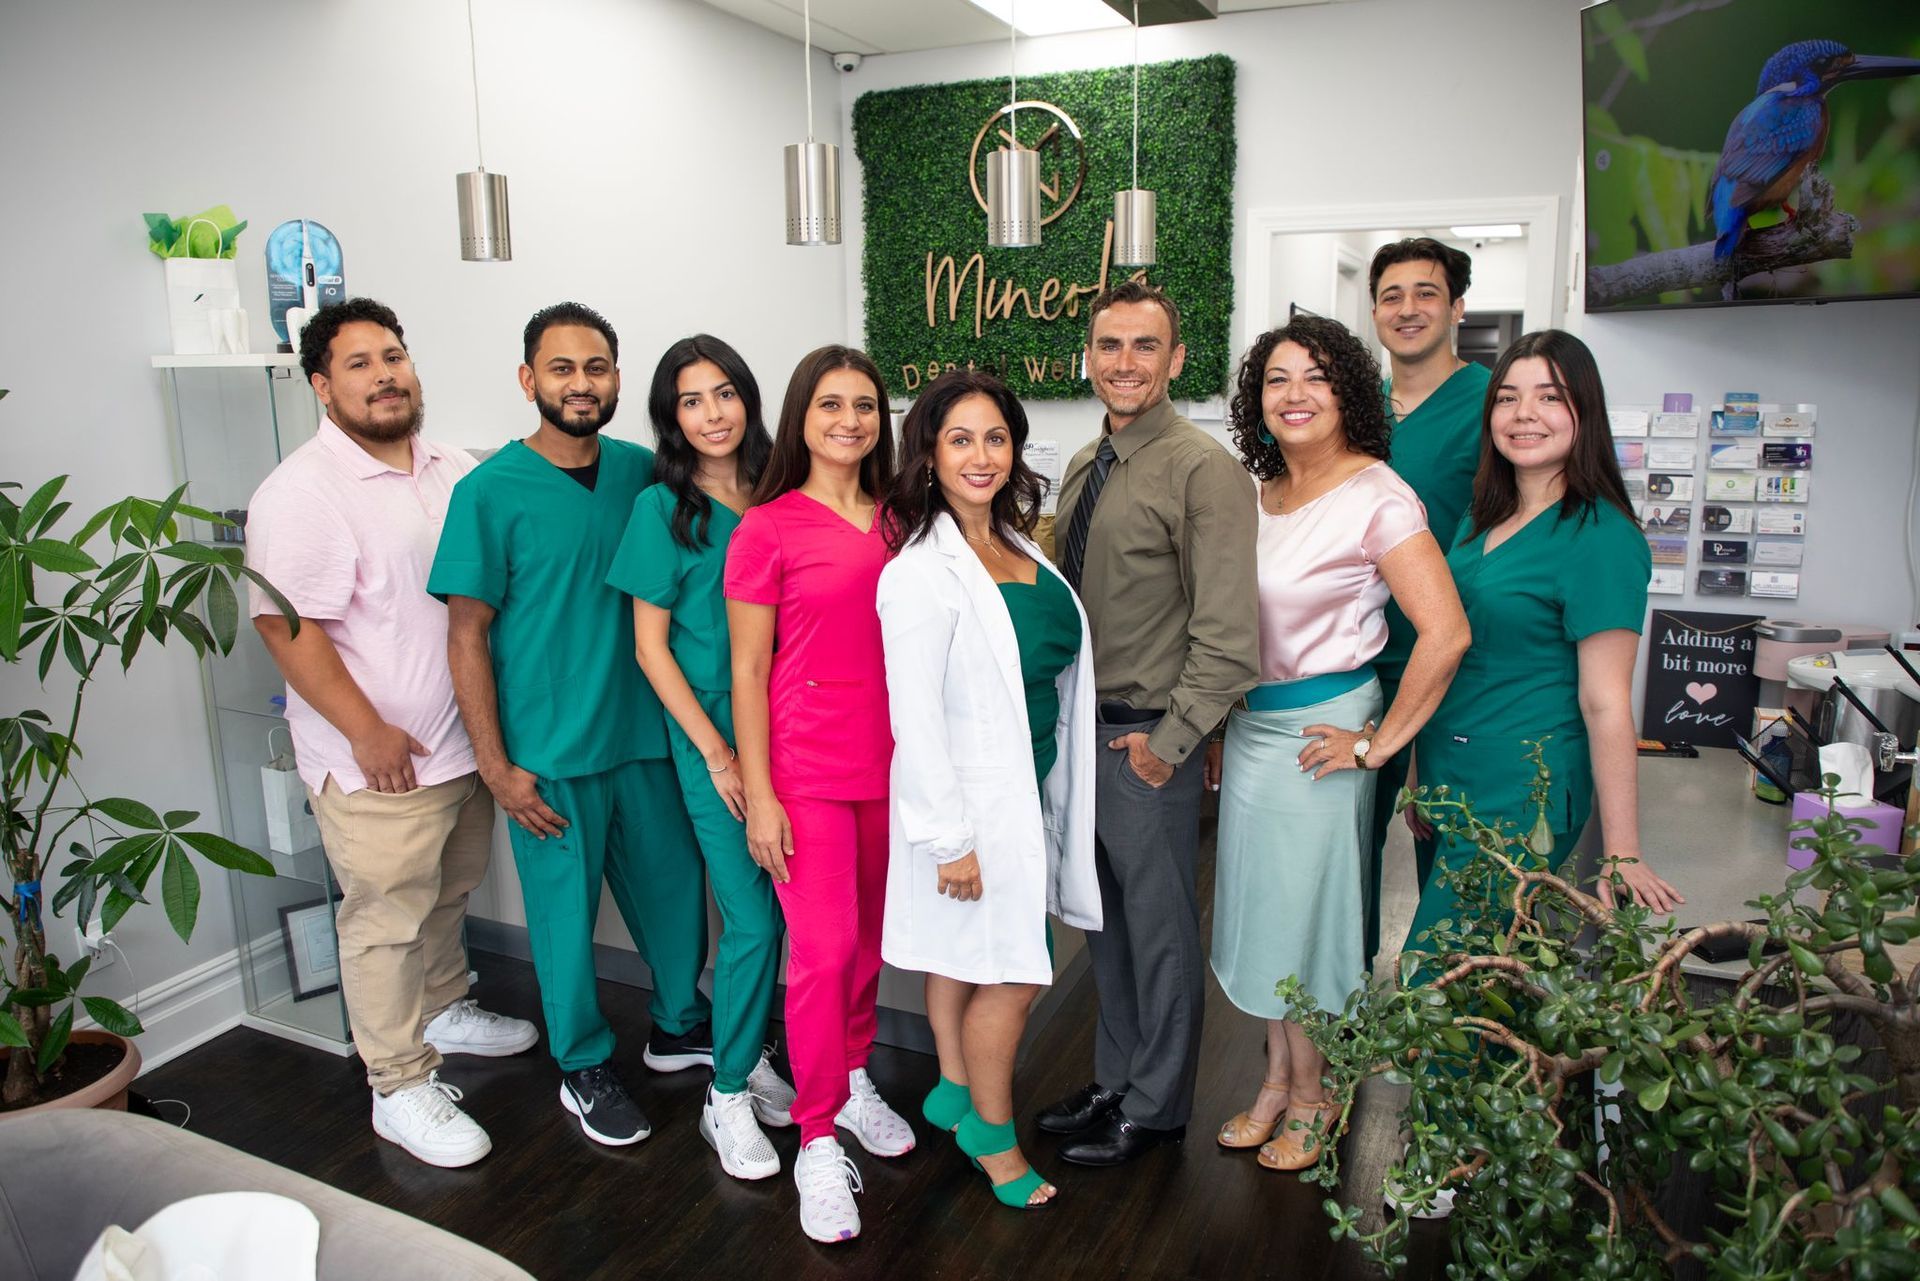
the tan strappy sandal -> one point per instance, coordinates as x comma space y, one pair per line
1297, 1147
1245, 1132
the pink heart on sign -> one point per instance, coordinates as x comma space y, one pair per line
1700, 693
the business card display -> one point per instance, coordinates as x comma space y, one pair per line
1774, 584
1723, 551
1730, 486
1726, 520
1782, 455
1798, 421
1636, 487
1778, 553
1667, 551
1687, 424
1658, 518
1630, 454
1667, 581
1628, 422
1670, 485
1779, 521
1735, 455
1670, 455
1730, 422
1721, 582
1785, 488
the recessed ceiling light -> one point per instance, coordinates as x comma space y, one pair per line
1490, 231
1053, 17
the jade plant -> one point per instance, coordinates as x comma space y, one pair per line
126, 580
1562, 1076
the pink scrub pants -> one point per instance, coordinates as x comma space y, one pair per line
833, 906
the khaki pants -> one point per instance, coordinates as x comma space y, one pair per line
405, 864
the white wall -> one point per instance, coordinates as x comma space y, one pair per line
642, 140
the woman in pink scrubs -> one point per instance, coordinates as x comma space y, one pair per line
810, 715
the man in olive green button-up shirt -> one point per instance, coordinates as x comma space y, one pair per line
1164, 563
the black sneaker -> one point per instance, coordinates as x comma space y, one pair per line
607, 1112
677, 1051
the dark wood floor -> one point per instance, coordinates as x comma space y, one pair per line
563, 1207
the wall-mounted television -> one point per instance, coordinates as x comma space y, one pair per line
1751, 151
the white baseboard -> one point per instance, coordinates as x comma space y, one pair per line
186, 1010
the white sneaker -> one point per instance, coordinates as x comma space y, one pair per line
772, 1097
827, 1181
465, 1028
1401, 1204
423, 1119
727, 1124
880, 1129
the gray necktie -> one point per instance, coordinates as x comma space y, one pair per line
1076, 546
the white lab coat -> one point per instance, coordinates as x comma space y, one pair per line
962, 775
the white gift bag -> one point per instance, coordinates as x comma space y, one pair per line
291, 826
197, 289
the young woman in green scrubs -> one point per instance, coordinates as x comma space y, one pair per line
1552, 568
712, 447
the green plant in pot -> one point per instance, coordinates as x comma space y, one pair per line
127, 579
1572, 1091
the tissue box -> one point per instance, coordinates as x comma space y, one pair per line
1882, 831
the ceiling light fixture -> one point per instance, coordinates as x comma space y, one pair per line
486, 231
1013, 171
1135, 212
813, 171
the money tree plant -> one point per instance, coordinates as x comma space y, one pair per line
1563, 1077
126, 579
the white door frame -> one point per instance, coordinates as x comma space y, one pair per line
1539, 215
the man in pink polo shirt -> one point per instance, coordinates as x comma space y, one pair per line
346, 526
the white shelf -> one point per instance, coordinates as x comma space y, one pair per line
257, 360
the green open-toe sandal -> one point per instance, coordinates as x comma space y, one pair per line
945, 1105
978, 1139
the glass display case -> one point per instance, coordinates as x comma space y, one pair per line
232, 419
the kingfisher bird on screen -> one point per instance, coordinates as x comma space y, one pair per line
1782, 131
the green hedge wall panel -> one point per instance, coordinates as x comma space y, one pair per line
913, 145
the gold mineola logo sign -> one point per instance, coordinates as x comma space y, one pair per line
1047, 129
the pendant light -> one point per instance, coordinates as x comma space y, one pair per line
1013, 171
813, 171
486, 232
1135, 212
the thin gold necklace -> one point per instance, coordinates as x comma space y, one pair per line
986, 542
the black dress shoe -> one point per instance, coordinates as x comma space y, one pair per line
1115, 1141
1079, 1110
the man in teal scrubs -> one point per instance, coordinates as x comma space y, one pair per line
568, 735
1434, 402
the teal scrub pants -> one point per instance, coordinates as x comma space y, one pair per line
628, 827
746, 967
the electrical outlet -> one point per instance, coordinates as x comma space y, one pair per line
93, 943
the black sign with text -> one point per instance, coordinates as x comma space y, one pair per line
1700, 683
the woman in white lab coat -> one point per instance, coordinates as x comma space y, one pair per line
990, 682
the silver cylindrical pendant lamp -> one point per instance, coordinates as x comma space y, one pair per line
1013, 198
813, 169
813, 193
486, 230
1135, 227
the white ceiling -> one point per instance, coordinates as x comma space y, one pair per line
900, 26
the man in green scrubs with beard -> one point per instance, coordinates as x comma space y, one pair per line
1434, 402
568, 734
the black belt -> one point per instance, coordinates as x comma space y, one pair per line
1113, 712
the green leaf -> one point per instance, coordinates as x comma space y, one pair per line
1654, 1097
112, 1016
201, 554
94, 524
118, 904
180, 892
15, 588
179, 818
35, 507
11, 1033
55, 1042
280, 601
129, 813
58, 557
223, 612
225, 853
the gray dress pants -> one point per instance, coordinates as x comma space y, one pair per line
1147, 965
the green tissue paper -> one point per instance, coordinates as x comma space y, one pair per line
210, 233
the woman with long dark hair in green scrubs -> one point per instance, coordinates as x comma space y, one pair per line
712, 447
1552, 567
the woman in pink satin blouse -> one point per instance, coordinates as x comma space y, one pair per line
1340, 534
